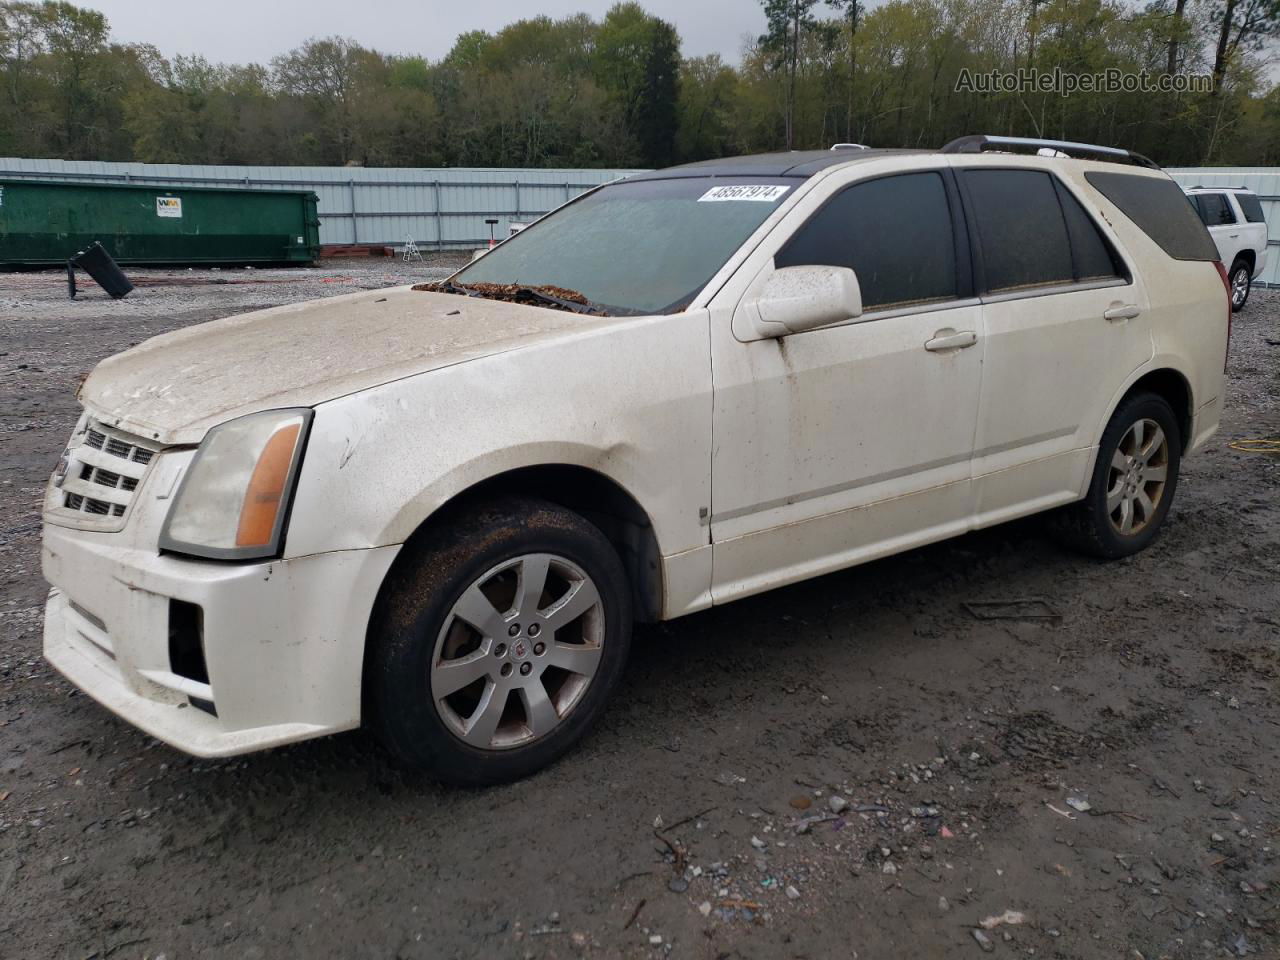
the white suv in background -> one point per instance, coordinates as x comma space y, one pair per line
437, 510
1239, 230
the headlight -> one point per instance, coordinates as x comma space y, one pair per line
64, 461
234, 499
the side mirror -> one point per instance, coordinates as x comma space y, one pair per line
795, 299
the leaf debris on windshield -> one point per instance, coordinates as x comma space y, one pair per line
539, 295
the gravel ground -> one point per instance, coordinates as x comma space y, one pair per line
851, 767
179, 297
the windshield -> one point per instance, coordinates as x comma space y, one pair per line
644, 247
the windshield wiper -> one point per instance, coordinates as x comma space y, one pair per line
448, 286
571, 305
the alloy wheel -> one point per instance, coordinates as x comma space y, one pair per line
517, 651
1136, 480
1239, 287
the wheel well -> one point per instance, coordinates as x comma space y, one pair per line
591, 495
1175, 390
1249, 257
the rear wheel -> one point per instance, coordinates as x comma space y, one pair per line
1133, 482
1241, 278
498, 642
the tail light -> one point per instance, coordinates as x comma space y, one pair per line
1226, 285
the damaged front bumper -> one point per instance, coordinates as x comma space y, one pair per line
213, 658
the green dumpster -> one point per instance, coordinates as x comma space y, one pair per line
43, 222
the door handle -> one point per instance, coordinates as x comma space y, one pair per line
1233, 236
1124, 312
950, 340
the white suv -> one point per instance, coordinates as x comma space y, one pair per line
1239, 230
438, 511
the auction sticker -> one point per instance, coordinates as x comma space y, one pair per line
765, 192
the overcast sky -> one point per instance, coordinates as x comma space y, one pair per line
243, 31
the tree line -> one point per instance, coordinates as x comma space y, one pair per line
617, 92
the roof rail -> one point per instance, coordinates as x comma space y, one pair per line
981, 142
849, 146
1210, 186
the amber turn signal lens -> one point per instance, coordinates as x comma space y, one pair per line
266, 489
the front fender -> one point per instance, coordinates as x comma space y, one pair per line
617, 464
631, 402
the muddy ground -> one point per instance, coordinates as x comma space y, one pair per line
962, 747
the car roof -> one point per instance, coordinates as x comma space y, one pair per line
791, 163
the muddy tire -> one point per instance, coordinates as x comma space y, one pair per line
1240, 280
497, 641
1134, 481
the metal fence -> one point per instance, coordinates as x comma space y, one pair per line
1265, 182
438, 207
448, 207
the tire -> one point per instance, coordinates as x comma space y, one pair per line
1097, 525
1241, 280
495, 727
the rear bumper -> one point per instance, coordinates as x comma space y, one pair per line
283, 642
1204, 424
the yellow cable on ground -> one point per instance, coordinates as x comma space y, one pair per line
1267, 445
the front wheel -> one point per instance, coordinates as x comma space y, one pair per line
497, 642
1133, 482
1241, 283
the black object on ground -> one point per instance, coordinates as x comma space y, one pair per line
97, 263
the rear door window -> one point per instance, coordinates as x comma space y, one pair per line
1251, 207
1215, 210
1159, 208
894, 232
1021, 229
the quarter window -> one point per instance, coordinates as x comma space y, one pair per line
1251, 207
1160, 209
894, 232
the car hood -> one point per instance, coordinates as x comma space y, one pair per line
174, 387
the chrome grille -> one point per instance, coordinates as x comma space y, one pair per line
104, 471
